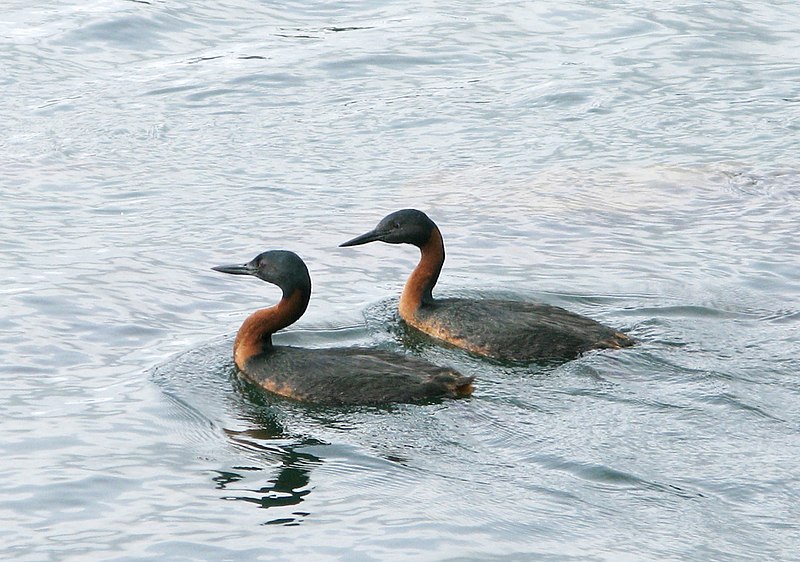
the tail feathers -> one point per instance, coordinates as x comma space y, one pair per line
617, 341
462, 386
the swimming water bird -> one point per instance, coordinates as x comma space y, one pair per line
500, 329
326, 376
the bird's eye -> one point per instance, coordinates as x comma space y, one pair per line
395, 225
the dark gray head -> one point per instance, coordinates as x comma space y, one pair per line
279, 267
407, 226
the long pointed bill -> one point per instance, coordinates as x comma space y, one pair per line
244, 269
371, 236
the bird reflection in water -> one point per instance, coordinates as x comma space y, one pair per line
262, 438
288, 487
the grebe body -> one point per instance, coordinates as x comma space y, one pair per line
500, 329
333, 376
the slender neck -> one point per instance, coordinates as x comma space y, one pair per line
255, 335
419, 287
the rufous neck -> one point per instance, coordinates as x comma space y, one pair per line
255, 335
419, 287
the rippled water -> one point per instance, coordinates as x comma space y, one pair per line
636, 165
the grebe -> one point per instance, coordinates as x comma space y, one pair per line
500, 329
326, 376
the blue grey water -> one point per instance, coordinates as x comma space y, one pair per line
635, 162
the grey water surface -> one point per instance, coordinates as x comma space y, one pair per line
636, 162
